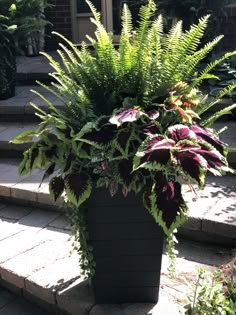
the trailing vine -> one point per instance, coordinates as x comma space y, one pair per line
80, 243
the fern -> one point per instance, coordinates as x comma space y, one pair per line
225, 111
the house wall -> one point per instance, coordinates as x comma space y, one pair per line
60, 16
229, 29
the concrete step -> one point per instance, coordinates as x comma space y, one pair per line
212, 215
229, 137
36, 263
30, 69
8, 131
18, 108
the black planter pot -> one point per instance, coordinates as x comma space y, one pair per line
127, 246
7, 65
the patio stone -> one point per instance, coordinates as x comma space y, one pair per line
77, 298
47, 281
20, 307
14, 212
24, 265
6, 297
62, 222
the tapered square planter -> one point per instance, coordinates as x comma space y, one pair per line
127, 246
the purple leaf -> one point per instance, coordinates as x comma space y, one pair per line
208, 136
126, 115
56, 187
169, 200
157, 150
192, 164
102, 136
180, 132
122, 138
151, 129
49, 171
125, 168
213, 158
153, 114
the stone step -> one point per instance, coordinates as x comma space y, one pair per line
30, 69
212, 215
36, 263
8, 131
18, 108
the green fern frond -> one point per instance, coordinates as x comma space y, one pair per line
69, 43
96, 14
211, 66
155, 37
192, 38
172, 41
226, 111
226, 91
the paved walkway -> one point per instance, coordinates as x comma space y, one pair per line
35, 261
212, 213
12, 304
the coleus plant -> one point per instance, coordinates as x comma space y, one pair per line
134, 118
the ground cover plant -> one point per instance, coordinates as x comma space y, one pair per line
133, 120
214, 293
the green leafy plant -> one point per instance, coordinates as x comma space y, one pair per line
133, 118
227, 75
30, 20
209, 296
7, 52
191, 10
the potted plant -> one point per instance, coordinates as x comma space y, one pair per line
8, 57
134, 124
30, 18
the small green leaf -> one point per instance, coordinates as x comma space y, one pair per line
12, 8
25, 137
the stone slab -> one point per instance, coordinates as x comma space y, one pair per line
47, 281
229, 135
8, 176
62, 222
24, 265
12, 129
20, 104
14, 212
6, 297
25, 234
8, 229
27, 188
77, 298
28, 65
21, 307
